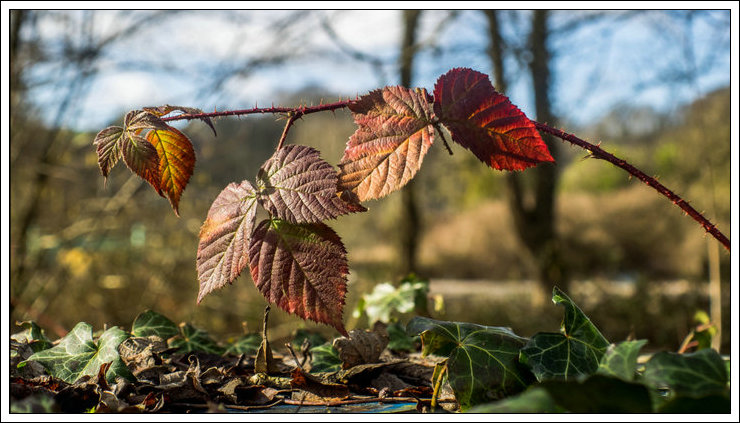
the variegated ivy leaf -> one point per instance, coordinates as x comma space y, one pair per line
302, 268
296, 185
224, 237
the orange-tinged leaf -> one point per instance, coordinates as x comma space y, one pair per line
224, 237
485, 122
302, 268
394, 133
176, 162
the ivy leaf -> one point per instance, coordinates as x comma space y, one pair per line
576, 351
32, 335
301, 268
108, 147
483, 362
325, 358
620, 360
296, 185
696, 374
167, 109
486, 123
77, 354
176, 162
191, 339
387, 149
247, 344
224, 237
151, 323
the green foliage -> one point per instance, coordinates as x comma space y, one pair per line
386, 301
77, 354
325, 358
620, 360
190, 338
32, 335
693, 375
151, 323
246, 344
574, 352
483, 361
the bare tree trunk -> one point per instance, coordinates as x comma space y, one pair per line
410, 226
535, 219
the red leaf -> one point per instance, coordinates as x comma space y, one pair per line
108, 148
224, 237
301, 268
176, 162
485, 122
141, 157
298, 186
395, 132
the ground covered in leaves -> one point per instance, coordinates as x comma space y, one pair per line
159, 366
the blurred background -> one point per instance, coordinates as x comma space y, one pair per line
653, 87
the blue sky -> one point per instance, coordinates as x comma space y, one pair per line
596, 66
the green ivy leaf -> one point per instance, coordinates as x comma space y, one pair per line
301, 335
32, 335
620, 360
694, 375
247, 344
574, 352
194, 339
482, 361
325, 358
534, 400
77, 354
151, 323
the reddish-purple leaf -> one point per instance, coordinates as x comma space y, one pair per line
298, 186
395, 131
108, 147
141, 157
302, 268
485, 122
176, 162
167, 109
224, 237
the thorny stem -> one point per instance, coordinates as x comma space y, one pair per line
295, 113
598, 153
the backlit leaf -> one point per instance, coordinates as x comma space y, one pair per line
167, 109
485, 122
137, 121
302, 268
298, 186
141, 157
108, 147
176, 162
483, 361
620, 360
151, 323
325, 358
77, 354
574, 352
32, 335
224, 237
393, 135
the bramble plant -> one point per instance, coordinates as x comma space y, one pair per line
295, 259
